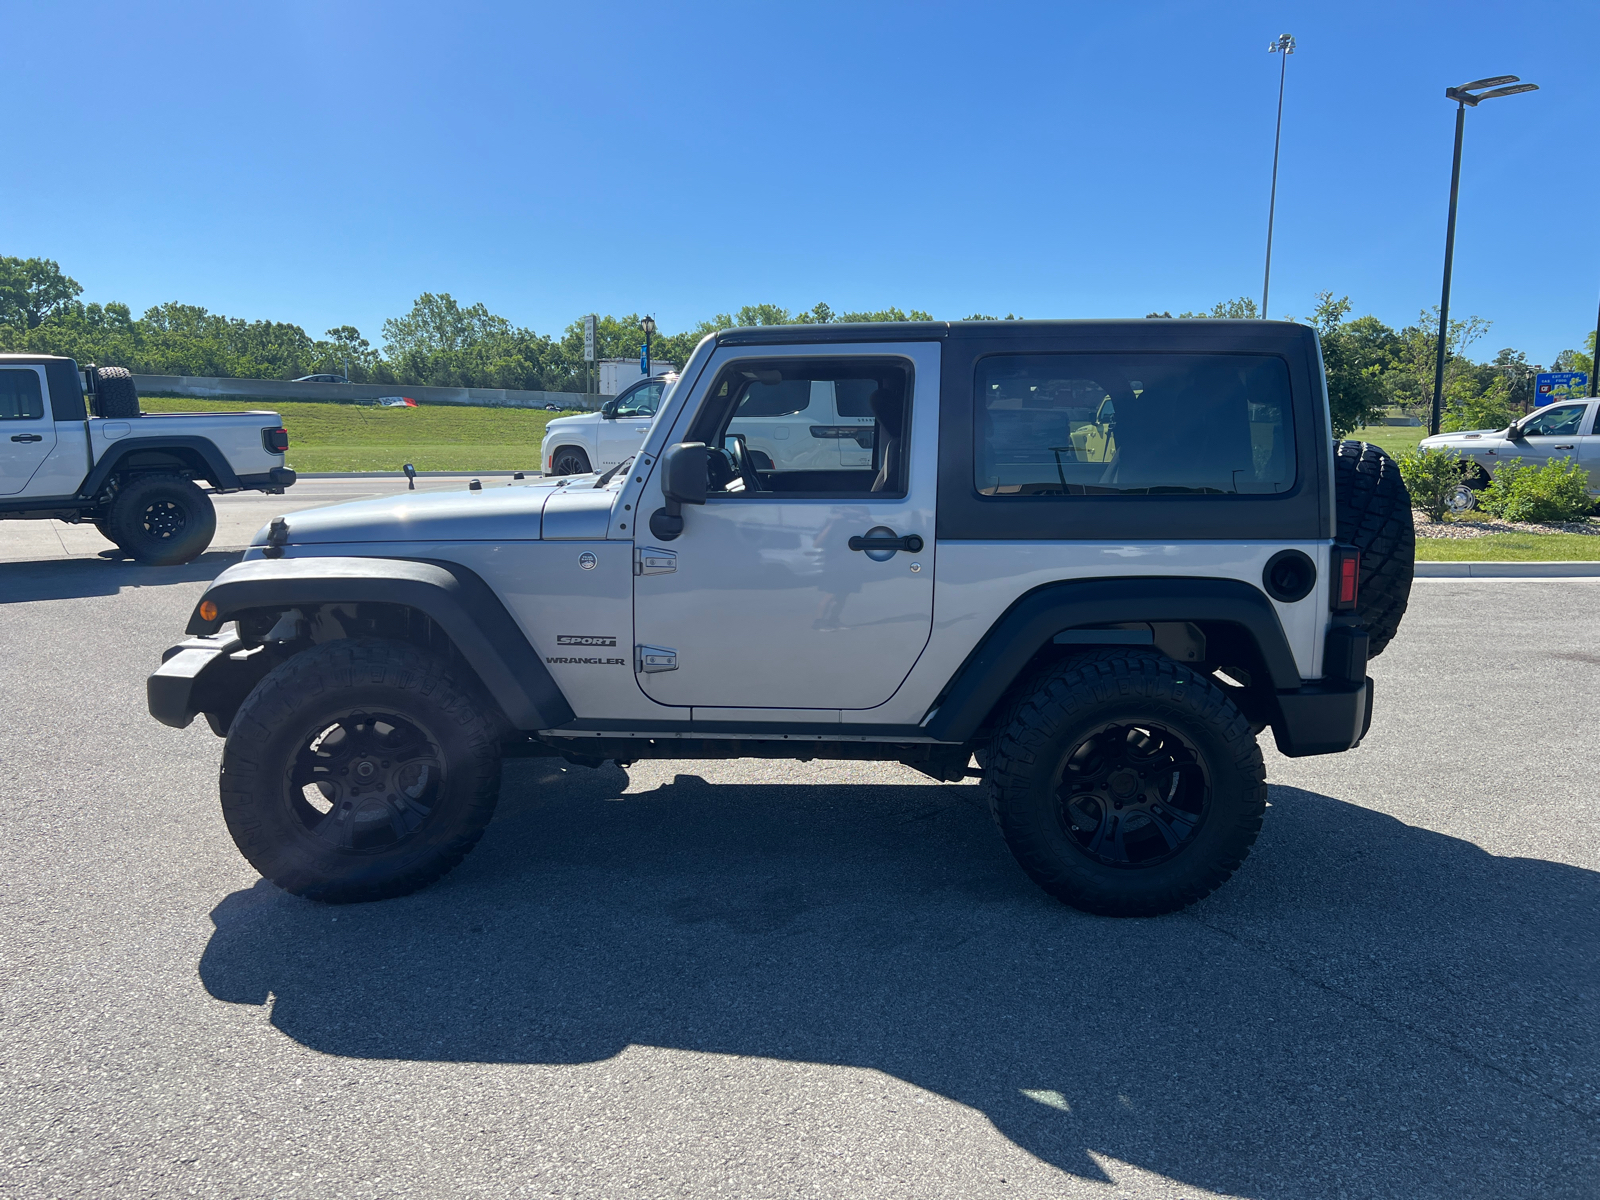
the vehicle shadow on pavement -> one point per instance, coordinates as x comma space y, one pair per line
1367, 1008
71, 578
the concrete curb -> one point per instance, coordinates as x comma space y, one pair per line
1508, 570
420, 474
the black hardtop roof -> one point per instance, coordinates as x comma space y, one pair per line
1207, 332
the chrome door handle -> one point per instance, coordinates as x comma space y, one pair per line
27, 437
910, 542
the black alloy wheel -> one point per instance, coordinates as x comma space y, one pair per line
162, 520
1124, 783
366, 781
570, 461
1133, 795
359, 770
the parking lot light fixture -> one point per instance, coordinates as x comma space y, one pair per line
1467, 95
1284, 45
649, 327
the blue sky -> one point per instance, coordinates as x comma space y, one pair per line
323, 163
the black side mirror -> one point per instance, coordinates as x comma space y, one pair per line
1515, 433
683, 481
608, 411
411, 477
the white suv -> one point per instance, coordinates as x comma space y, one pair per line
598, 440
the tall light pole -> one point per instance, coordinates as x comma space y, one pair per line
649, 327
1464, 98
1284, 46
1594, 359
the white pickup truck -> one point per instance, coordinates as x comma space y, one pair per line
74, 447
787, 425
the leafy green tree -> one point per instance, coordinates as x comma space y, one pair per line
1576, 360
1354, 364
1240, 309
33, 290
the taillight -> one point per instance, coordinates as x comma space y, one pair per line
1346, 578
275, 440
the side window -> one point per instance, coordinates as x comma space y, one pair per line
771, 427
1560, 421
1132, 424
641, 402
20, 397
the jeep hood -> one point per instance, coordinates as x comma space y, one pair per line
498, 513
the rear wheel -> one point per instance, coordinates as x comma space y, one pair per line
163, 520
1126, 785
569, 460
359, 770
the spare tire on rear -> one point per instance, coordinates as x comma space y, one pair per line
114, 393
1373, 513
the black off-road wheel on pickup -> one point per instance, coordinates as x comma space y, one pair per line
360, 770
162, 520
1127, 785
569, 460
1373, 511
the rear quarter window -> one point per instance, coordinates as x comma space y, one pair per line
1146, 423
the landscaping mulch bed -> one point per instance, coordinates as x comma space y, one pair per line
1476, 525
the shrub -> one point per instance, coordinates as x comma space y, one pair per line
1485, 410
1430, 477
1557, 491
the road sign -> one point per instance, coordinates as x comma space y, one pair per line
588, 338
1550, 386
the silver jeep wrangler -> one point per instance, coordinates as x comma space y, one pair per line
1097, 557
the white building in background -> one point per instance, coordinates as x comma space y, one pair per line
617, 373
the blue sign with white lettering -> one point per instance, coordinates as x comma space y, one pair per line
1550, 386
644, 361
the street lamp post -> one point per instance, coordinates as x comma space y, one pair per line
649, 327
1594, 359
1285, 46
1464, 98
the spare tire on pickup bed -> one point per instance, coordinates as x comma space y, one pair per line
114, 393
1373, 514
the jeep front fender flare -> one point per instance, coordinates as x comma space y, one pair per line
1034, 620
455, 598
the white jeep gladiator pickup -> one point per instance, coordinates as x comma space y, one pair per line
1095, 557
130, 474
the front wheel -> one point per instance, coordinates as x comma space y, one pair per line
359, 770
1127, 785
163, 520
569, 460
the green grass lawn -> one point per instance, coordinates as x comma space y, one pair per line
1511, 547
1392, 439
349, 437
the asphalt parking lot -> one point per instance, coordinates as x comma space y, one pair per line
772, 979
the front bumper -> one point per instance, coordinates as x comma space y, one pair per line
209, 675
1323, 718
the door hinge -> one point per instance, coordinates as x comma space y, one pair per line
650, 659
647, 560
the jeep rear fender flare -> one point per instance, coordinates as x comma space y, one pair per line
1030, 624
180, 449
452, 596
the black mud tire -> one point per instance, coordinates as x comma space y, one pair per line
114, 394
1373, 511
1050, 720
570, 460
161, 520
312, 853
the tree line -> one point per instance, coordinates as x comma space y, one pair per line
1371, 366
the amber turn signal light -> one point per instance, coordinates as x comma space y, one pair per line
208, 610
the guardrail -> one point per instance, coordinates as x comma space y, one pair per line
207, 388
